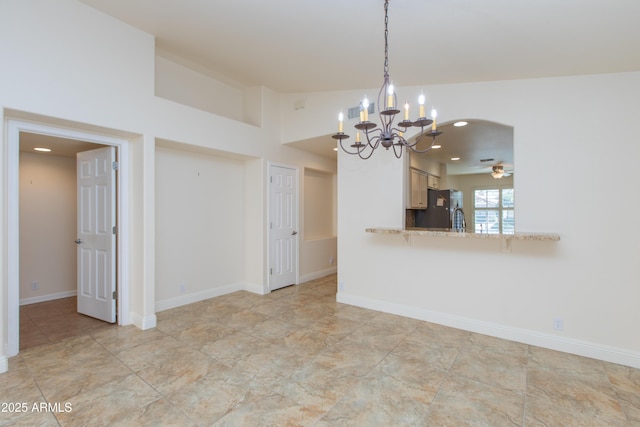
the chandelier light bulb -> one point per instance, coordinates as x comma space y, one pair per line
365, 109
421, 100
340, 120
390, 96
406, 110
434, 114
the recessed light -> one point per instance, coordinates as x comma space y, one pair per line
436, 146
44, 150
455, 158
460, 124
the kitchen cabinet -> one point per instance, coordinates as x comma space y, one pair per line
433, 182
419, 181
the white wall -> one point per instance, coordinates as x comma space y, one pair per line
104, 82
318, 205
319, 242
589, 278
178, 83
47, 227
425, 163
565, 131
199, 225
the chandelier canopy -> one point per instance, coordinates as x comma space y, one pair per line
387, 135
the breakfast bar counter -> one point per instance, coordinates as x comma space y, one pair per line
444, 232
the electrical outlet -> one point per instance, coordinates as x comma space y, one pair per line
331, 260
183, 288
341, 286
35, 286
558, 324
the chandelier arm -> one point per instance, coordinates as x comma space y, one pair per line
373, 141
358, 149
397, 149
347, 151
366, 157
361, 150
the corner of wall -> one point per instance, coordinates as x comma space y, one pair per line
144, 322
253, 97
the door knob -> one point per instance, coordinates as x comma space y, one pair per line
78, 241
293, 233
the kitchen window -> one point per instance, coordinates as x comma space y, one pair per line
493, 211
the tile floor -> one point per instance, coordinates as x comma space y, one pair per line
54, 321
296, 357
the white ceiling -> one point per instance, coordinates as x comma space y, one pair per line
61, 147
480, 145
322, 45
328, 45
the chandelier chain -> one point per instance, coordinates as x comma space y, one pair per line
386, 38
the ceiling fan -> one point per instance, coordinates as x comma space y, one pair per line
499, 172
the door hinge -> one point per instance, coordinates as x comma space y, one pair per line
271, 179
271, 271
115, 229
115, 166
114, 295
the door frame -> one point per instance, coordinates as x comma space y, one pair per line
12, 164
297, 212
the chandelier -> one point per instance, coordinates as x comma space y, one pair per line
387, 135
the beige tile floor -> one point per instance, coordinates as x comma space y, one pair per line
296, 357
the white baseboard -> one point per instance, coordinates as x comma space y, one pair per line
198, 296
50, 297
553, 342
4, 364
144, 322
318, 274
255, 288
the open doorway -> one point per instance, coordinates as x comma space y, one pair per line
48, 254
15, 130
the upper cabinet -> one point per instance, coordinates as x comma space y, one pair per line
418, 189
433, 182
420, 182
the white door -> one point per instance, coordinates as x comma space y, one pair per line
283, 223
96, 233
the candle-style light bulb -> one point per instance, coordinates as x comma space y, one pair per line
340, 120
357, 136
390, 96
434, 114
406, 110
365, 109
421, 100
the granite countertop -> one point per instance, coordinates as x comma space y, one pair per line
446, 232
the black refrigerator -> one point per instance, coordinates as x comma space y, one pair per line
444, 210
